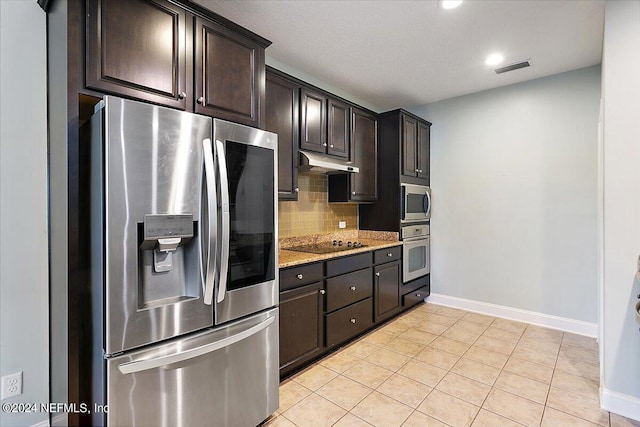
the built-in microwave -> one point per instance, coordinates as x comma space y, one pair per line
416, 203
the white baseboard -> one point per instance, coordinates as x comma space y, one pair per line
621, 404
554, 322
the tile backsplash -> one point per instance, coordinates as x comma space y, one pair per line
312, 214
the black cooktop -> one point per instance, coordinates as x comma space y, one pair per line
327, 248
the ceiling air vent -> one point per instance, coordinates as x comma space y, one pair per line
512, 67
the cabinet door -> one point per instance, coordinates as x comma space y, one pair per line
313, 121
386, 289
339, 128
409, 145
229, 78
301, 326
423, 151
136, 48
281, 117
364, 149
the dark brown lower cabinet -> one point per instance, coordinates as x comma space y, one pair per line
301, 326
348, 322
386, 290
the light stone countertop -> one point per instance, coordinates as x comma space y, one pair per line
372, 239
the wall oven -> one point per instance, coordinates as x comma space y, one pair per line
415, 252
415, 203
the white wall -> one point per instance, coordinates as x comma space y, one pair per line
24, 338
621, 149
513, 178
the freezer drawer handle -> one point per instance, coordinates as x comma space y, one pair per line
144, 365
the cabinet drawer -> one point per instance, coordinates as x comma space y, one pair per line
348, 264
415, 297
300, 275
349, 321
388, 254
349, 288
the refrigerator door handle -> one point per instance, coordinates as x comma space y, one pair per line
144, 365
212, 206
224, 205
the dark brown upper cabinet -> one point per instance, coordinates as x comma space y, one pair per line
313, 121
149, 49
409, 146
339, 128
229, 74
281, 117
361, 187
137, 48
403, 157
415, 148
364, 149
423, 151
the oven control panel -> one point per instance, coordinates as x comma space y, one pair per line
413, 231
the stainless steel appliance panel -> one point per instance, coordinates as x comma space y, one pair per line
416, 203
248, 211
415, 252
223, 377
153, 182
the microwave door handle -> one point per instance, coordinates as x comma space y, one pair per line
403, 206
224, 208
211, 221
428, 197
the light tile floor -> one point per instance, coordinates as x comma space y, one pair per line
438, 366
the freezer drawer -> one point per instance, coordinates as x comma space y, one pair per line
223, 377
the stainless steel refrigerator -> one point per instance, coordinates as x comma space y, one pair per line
184, 250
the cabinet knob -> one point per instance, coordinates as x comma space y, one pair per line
378, 274
353, 193
200, 100
299, 276
324, 144
331, 146
353, 288
297, 190
389, 254
417, 170
353, 320
182, 95
322, 291
420, 170
418, 295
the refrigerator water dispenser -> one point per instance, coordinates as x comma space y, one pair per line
168, 264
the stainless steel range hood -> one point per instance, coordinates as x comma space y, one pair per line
321, 163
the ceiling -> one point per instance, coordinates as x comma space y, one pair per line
407, 53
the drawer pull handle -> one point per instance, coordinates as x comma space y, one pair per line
389, 254
299, 276
353, 288
322, 291
418, 295
353, 320
377, 274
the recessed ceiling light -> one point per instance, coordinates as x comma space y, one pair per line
494, 59
450, 4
